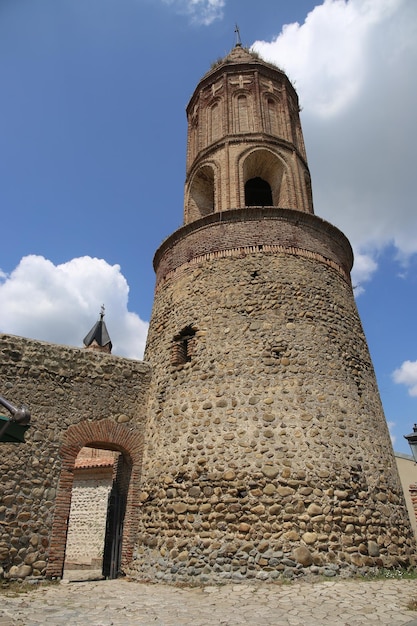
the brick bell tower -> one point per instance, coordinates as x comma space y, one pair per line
267, 450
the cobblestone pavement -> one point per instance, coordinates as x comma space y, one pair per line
123, 602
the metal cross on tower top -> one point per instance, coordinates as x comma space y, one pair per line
237, 31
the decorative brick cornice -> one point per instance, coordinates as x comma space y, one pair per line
254, 229
243, 251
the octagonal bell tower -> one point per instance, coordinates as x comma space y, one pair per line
267, 450
245, 144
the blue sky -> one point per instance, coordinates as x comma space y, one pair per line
92, 156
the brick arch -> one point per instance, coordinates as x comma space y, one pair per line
102, 434
201, 192
266, 164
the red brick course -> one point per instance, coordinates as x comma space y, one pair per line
284, 229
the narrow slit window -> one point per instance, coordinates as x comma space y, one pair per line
214, 123
272, 117
242, 114
183, 346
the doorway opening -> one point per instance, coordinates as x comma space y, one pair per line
98, 506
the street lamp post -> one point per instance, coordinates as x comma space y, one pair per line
412, 441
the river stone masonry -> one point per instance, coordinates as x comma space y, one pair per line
95, 399
275, 450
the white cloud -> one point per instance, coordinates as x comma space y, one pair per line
362, 272
60, 304
327, 54
200, 11
353, 64
406, 375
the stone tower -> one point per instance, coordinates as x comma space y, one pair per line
267, 450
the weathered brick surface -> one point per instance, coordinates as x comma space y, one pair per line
76, 397
257, 228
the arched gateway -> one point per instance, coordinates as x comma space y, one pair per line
107, 435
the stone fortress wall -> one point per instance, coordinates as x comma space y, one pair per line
77, 397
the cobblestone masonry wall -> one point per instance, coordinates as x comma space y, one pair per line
87, 521
76, 397
268, 451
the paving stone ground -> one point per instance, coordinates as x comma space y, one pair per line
130, 603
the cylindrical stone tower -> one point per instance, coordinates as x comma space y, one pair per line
267, 450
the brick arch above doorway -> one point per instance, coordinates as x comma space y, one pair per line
101, 434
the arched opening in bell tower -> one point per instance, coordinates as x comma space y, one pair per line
258, 192
262, 177
201, 196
